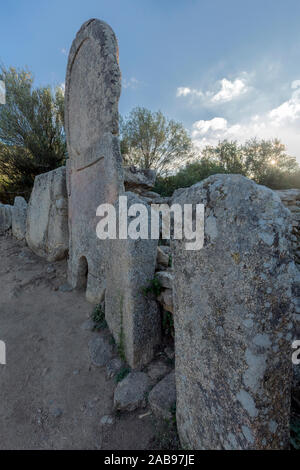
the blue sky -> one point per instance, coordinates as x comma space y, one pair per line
225, 68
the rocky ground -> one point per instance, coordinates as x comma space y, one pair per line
58, 387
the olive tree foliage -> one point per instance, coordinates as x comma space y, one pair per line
149, 140
264, 161
32, 139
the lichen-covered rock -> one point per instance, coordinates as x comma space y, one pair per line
162, 397
94, 169
291, 199
47, 216
131, 392
139, 180
5, 217
132, 317
234, 309
101, 351
19, 215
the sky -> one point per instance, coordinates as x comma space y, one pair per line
224, 68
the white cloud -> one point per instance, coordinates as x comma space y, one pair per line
288, 111
229, 90
282, 122
185, 91
64, 51
132, 83
225, 90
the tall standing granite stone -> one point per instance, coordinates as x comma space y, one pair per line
132, 316
47, 216
233, 311
19, 215
94, 169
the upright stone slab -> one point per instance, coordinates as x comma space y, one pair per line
47, 216
5, 217
19, 215
132, 316
234, 307
93, 85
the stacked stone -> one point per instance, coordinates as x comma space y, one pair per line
141, 182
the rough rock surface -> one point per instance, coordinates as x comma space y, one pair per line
19, 215
130, 394
47, 216
291, 199
101, 351
94, 170
234, 307
157, 370
163, 256
163, 397
5, 217
165, 278
138, 180
132, 317
166, 299
113, 367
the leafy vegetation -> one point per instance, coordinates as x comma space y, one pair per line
32, 138
98, 317
153, 287
122, 374
264, 161
150, 140
168, 323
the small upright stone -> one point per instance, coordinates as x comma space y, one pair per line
47, 216
5, 217
19, 215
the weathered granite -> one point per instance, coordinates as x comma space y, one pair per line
162, 398
132, 317
47, 216
131, 392
94, 170
19, 215
234, 311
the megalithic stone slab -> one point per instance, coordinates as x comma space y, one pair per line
47, 216
132, 316
233, 311
19, 215
94, 168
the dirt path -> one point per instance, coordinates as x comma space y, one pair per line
51, 397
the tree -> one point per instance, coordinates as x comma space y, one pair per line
32, 139
264, 161
150, 140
